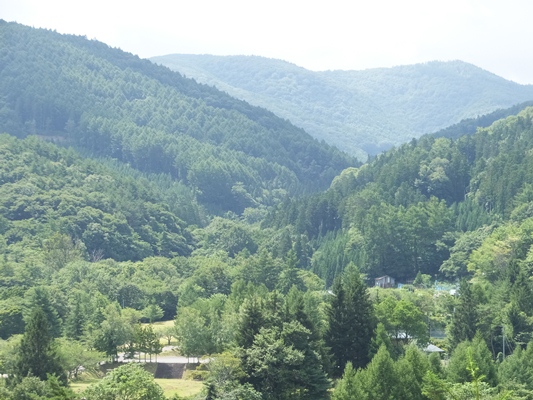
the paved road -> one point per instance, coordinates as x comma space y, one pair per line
166, 359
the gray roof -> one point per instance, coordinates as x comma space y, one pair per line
433, 349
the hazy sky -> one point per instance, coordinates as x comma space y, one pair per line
496, 35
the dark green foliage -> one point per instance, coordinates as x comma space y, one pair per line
381, 338
282, 364
101, 212
250, 322
42, 298
111, 103
465, 317
76, 319
36, 355
351, 321
32, 388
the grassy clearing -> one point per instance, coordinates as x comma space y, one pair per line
81, 385
181, 387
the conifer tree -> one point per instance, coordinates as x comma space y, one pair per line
36, 355
381, 338
75, 322
42, 298
465, 318
351, 321
380, 379
250, 322
348, 387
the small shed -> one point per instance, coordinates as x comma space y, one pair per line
385, 281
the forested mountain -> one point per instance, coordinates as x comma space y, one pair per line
469, 126
405, 212
163, 199
110, 103
358, 111
110, 214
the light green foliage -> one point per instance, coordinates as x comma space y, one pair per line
191, 332
11, 317
153, 313
8, 350
476, 352
465, 244
76, 359
379, 379
402, 319
129, 381
229, 236
517, 369
348, 387
113, 332
59, 250
223, 382
422, 280
492, 258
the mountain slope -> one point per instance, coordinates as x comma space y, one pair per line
406, 210
111, 103
358, 111
111, 213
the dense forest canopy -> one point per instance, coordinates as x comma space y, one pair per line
358, 111
111, 103
162, 199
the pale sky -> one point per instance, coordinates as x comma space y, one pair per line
496, 35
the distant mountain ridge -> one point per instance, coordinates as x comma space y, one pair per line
358, 111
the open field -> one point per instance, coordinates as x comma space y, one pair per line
181, 387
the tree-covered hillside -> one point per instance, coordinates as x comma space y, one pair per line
121, 223
110, 103
104, 211
411, 209
358, 111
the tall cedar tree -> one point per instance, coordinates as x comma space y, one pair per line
36, 354
465, 318
351, 321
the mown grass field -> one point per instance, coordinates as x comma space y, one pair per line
181, 387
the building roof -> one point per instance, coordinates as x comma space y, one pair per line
431, 348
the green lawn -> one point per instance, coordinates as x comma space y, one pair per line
181, 387
81, 385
